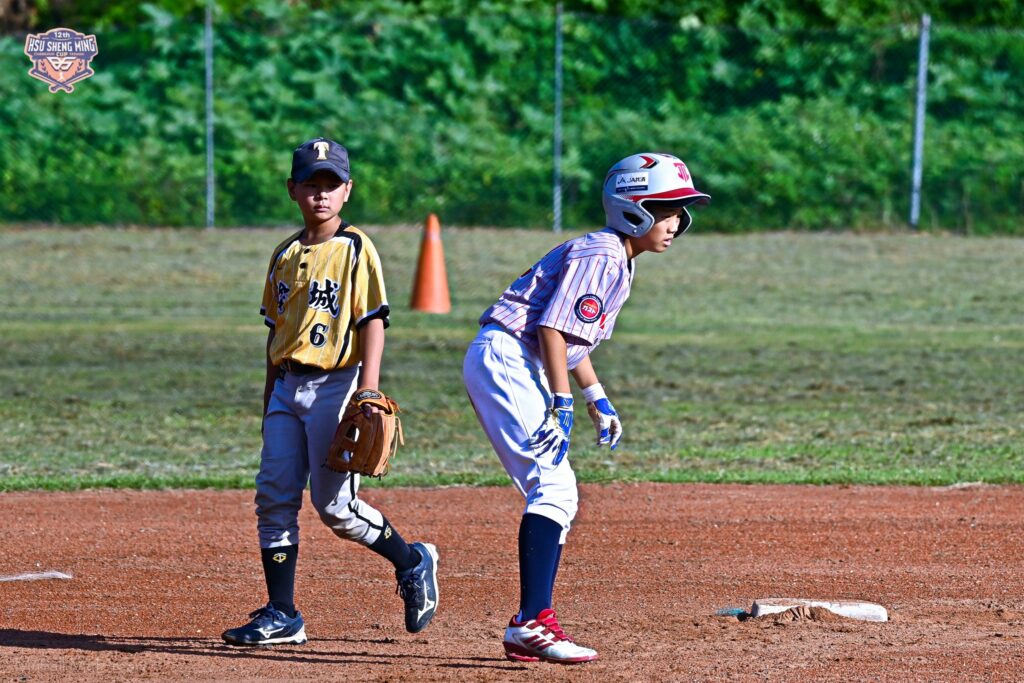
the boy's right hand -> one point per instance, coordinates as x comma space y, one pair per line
606, 422
553, 435
603, 415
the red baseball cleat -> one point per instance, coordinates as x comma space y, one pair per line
542, 639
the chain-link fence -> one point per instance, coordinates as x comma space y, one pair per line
807, 129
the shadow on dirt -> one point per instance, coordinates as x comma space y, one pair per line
346, 653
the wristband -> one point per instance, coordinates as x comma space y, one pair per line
594, 392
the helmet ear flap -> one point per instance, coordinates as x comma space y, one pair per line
685, 219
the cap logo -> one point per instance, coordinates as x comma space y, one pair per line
632, 182
649, 162
321, 148
683, 172
588, 308
60, 57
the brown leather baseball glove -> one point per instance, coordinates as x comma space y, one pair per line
366, 441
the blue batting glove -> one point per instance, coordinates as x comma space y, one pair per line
553, 435
606, 422
603, 415
562, 410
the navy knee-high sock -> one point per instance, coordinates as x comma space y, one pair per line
539, 552
279, 570
391, 546
554, 570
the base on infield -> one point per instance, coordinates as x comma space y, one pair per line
854, 609
36, 576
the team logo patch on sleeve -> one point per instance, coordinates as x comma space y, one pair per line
589, 308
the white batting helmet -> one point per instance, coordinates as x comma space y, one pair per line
641, 179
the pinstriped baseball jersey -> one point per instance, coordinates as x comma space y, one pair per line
317, 296
579, 288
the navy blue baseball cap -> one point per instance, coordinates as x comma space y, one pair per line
319, 154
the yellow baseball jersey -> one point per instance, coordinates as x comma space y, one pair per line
317, 297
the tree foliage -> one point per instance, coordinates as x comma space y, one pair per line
801, 127
750, 14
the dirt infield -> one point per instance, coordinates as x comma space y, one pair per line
156, 576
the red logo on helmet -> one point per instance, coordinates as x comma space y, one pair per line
684, 173
649, 162
589, 308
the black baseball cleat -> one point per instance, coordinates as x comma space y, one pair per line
269, 626
418, 588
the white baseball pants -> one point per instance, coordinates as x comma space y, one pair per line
509, 392
301, 419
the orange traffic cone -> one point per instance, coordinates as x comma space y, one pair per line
430, 288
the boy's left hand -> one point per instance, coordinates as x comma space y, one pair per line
606, 422
553, 435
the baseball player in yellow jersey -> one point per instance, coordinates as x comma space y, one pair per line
326, 308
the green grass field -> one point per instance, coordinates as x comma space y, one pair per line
135, 358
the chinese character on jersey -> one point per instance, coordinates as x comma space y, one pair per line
324, 297
282, 296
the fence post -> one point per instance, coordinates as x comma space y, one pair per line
208, 48
922, 87
556, 198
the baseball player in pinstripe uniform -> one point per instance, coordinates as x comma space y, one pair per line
326, 308
516, 371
